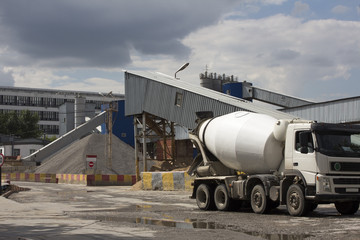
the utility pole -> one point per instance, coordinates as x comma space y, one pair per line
144, 141
136, 145
110, 111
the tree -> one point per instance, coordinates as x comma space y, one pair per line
24, 124
29, 125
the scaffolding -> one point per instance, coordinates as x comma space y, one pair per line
154, 140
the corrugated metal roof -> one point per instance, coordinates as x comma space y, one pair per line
337, 111
156, 93
282, 100
57, 93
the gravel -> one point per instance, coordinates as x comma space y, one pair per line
72, 159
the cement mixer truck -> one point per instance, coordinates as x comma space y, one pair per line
255, 159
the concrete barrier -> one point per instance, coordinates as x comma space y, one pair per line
84, 179
111, 180
166, 181
72, 178
29, 177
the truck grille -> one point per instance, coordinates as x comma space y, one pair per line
343, 191
352, 185
345, 166
347, 181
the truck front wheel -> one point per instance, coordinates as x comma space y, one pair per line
204, 197
259, 200
295, 201
221, 198
347, 208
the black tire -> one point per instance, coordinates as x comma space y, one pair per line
259, 203
295, 201
347, 208
204, 197
221, 198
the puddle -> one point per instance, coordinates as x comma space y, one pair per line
199, 224
167, 221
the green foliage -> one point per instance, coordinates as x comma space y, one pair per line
24, 125
53, 138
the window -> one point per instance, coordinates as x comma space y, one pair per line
310, 143
339, 143
16, 152
178, 99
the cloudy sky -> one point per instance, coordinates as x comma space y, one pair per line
309, 49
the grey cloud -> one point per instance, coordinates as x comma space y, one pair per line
6, 79
285, 54
101, 33
321, 61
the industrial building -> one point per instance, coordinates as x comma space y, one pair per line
156, 109
55, 108
335, 111
158, 101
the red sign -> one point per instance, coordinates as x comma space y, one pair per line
91, 160
2, 159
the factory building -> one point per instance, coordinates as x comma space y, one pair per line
57, 109
335, 111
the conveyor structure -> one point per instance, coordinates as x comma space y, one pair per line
67, 139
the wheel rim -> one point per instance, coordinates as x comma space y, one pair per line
294, 200
258, 199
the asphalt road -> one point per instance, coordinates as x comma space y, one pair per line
59, 211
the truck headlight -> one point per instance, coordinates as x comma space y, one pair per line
326, 186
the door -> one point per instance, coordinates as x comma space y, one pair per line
304, 159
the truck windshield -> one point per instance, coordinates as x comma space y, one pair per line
339, 144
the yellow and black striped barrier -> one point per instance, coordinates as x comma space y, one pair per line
167, 181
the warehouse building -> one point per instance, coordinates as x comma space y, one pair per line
55, 108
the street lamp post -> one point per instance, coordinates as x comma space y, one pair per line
181, 68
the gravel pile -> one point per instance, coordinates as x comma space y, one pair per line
72, 159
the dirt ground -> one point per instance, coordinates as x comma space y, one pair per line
60, 211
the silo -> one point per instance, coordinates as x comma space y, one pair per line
79, 110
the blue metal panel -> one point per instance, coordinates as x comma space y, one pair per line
233, 89
123, 126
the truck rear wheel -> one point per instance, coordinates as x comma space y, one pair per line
221, 198
295, 201
204, 197
259, 200
347, 208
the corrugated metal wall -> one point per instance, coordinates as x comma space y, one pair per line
153, 97
135, 88
156, 94
339, 111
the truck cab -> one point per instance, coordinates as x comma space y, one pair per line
326, 157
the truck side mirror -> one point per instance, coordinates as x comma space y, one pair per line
303, 139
